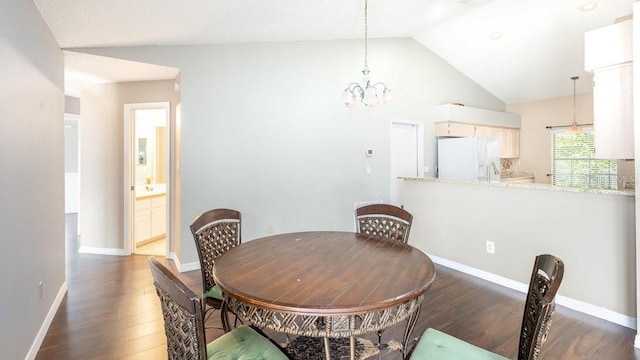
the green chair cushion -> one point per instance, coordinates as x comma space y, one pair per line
213, 292
434, 344
243, 343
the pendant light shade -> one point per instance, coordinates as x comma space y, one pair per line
574, 128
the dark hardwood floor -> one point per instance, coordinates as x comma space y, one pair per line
111, 311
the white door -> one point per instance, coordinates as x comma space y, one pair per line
405, 154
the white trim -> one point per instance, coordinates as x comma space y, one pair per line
129, 173
589, 309
37, 342
419, 132
185, 267
597, 311
102, 251
636, 343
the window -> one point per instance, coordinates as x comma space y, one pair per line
574, 164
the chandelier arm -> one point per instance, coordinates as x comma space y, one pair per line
355, 89
380, 83
354, 84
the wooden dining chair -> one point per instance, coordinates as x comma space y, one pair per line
539, 306
215, 232
384, 220
184, 326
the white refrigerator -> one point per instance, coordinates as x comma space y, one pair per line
469, 158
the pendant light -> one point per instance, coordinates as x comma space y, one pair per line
365, 91
574, 128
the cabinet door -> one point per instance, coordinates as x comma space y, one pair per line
515, 144
613, 112
487, 131
462, 130
441, 128
142, 220
452, 129
509, 143
158, 216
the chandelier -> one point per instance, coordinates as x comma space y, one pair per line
365, 91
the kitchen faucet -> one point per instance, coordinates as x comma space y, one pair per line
495, 170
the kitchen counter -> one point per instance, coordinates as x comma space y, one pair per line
518, 177
533, 186
454, 220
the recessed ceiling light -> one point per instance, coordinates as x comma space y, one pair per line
588, 5
496, 35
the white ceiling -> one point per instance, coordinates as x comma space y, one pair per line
541, 47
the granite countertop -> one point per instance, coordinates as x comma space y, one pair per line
516, 175
536, 186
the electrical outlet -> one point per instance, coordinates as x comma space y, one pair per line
270, 228
40, 285
491, 247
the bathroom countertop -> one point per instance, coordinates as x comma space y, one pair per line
146, 191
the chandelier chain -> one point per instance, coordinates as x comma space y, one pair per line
574, 78
366, 31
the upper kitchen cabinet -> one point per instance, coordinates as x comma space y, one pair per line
459, 121
452, 129
476, 116
509, 143
609, 56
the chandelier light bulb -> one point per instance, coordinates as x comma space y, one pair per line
387, 96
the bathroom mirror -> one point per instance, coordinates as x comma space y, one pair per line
142, 151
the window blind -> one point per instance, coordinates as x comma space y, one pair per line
574, 164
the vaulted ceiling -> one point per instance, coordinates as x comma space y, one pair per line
519, 50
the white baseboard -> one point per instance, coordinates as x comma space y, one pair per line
589, 309
37, 342
185, 267
102, 251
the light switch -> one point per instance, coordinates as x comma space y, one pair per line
368, 170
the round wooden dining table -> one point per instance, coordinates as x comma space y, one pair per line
325, 284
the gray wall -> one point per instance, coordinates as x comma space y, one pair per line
102, 155
594, 234
262, 129
32, 176
72, 105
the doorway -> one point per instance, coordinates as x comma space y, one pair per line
71, 181
147, 180
406, 153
